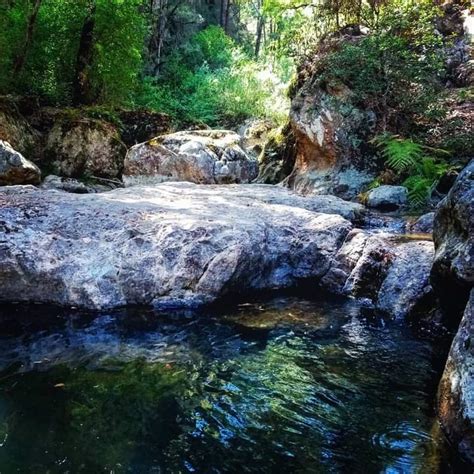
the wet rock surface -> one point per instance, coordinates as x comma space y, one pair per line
71, 185
456, 391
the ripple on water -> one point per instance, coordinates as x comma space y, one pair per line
287, 384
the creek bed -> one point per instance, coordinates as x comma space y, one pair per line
279, 384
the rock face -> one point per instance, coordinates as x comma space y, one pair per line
323, 131
171, 244
82, 147
15, 168
16, 130
452, 276
200, 156
453, 268
389, 273
456, 390
388, 198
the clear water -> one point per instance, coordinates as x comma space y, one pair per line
281, 385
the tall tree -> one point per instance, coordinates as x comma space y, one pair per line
21, 58
82, 93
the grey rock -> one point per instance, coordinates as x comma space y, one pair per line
387, 197
452, 274
171, 244
15, 168
85, 147
345, 261
424, 224
370, 269
407, 283
456, 390
200, 156
381, 268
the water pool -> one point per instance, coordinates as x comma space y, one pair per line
280, 384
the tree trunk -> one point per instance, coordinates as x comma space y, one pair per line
20, 60
259, 35
82, 93
227, 12
223, 14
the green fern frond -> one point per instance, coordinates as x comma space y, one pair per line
419, 190
402, 155
431, 168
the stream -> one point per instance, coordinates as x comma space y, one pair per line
276, 384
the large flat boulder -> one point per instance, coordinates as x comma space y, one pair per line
170, 244
15, 168
199, 156
456, 390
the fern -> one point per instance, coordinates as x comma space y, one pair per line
419, 190
400, 154
404, 155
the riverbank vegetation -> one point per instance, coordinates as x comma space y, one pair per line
208, 63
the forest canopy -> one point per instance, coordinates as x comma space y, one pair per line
203, 60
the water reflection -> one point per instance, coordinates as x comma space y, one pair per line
286, 384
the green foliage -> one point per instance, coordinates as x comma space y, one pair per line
49, 68
406, 156
395, 69
223, 87
400, 154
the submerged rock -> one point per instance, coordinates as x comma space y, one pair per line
15, 168
456, 390
171, 244
200, 156
388, 198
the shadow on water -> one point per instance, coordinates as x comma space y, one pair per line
275, 384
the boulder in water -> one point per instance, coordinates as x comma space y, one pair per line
170, 244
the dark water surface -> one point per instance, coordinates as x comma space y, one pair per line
282, 385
